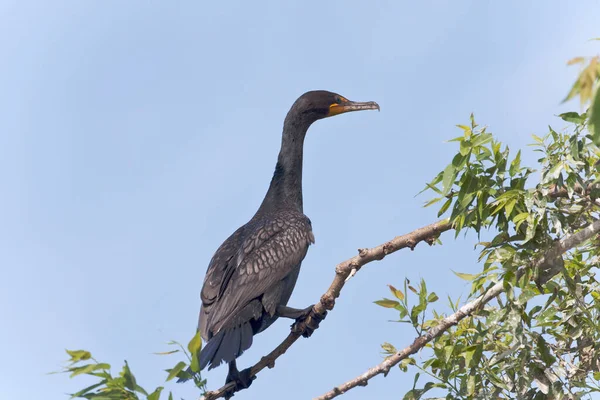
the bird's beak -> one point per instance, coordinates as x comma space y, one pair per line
348, 106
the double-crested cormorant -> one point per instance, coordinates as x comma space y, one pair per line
253, 273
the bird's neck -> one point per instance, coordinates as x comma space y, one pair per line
285, 190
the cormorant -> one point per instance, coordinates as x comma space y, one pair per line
252, 275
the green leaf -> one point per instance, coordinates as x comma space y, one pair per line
515, 164
473, 123
388, 348
86, 369
466, 194
175, 370
387, 303
466, 277
165, 353
448, 350
468, 356
432, 201
403, 311
417, 394
415, 312
464, 149
594, 122
448, 179
555, 171
538, 139
519, 218
397, 293
509, 207
194, 347
416, 378
432, 298
156, 394
482, 139
129, 380
88, 389
78, 355
544, 351
464, 128
576, 60
432, 185
459, 161
444, 207
405, 363
195, 344
422, 292
573, 117
531, 227
195, 363
471, 385
573, 92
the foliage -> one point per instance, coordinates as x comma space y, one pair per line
125, 386
584, 87
541, 339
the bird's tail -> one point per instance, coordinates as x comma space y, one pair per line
225, 346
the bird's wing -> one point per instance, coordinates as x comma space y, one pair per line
253, 261
218, 274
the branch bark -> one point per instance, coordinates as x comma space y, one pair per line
559, 248
343, 272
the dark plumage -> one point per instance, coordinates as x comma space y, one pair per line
253, 273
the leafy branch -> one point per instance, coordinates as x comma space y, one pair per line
125, 386
452, 320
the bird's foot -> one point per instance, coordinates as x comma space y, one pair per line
308, 322
293, 313
242, 379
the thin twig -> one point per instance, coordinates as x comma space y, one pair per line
342, 272
559, 248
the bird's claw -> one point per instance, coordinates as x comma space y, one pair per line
241, 379
308, 323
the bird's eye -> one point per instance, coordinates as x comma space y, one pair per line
338, 100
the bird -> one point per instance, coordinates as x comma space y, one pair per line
251, 276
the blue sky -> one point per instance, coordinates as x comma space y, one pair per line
137, 135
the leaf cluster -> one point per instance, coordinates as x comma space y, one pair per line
124, 386
540, 339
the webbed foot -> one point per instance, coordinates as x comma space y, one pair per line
308, 322
242, 379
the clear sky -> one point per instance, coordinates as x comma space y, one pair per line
135, 136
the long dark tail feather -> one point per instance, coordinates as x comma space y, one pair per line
246, 339
225, 346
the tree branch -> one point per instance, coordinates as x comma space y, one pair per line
343, 272
555, 192
559, 248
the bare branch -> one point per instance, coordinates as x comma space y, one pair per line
343, 272
559, 248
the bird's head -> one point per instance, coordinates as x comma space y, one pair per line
318, 104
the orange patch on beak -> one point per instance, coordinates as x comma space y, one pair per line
347, 106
